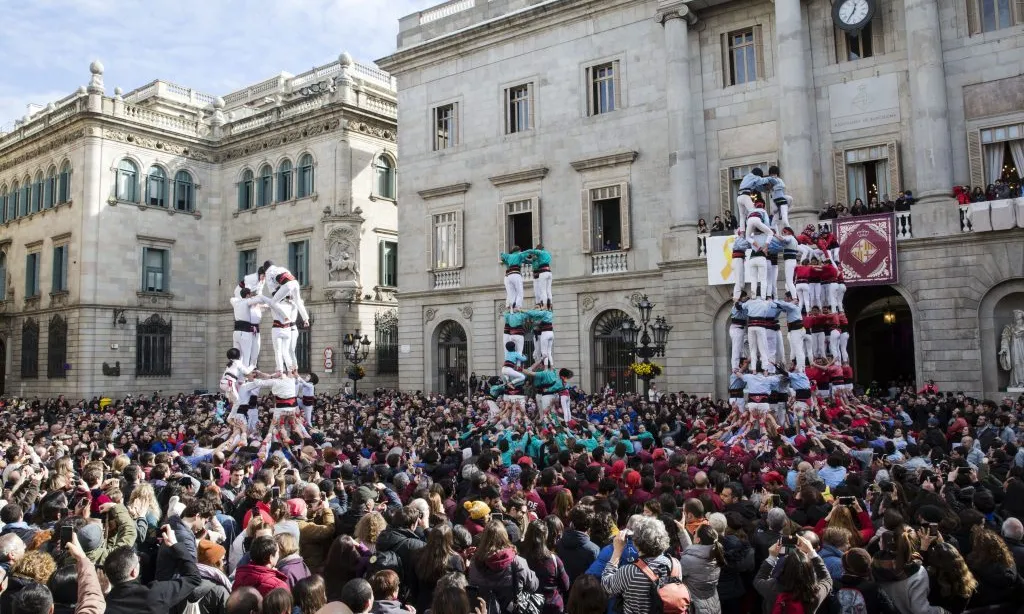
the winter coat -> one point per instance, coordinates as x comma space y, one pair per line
577, 552
739, 560
997, 584
212, 593
700, 574
262, 578
165, 562
405, 543
315, 539
908, 591
498, 578
388, 606
875, 600
768, 587
833, 558
294, 569
554, 583
159, 597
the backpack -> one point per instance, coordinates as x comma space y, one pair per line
787, 604
384, 560
670, 595
850, 601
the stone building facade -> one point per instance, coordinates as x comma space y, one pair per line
615, 125
143, 210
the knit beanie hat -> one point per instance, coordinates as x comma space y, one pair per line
90, 536
478, 510
210, 553
857, 562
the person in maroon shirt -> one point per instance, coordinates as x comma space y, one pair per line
549, 487
528, 480
702, 487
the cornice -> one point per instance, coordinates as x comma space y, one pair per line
448, 190
531, 174
155, 240
615, 159
60, 140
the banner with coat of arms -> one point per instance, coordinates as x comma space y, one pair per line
867, 249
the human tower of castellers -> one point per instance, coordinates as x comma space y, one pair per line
763, 381
550, 384
242, 382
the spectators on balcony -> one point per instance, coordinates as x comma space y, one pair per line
999, 190
717, 226
702, 227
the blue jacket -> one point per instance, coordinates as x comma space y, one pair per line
833, 559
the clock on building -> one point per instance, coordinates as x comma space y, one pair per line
852, 15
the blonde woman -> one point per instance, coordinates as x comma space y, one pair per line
143, 507
368, 529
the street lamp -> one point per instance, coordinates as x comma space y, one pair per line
652, 337
356, 351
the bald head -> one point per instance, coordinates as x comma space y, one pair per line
700, 480
245, 600
1013, 529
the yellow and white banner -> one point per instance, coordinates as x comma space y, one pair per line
719, 250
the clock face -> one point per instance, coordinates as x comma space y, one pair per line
853, 14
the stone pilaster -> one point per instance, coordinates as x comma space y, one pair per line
797, 123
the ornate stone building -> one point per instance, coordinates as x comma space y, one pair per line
608, 128
127, 220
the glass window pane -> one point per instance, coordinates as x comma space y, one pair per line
988, 15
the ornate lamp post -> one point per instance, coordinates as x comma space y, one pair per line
652, 337
356, 351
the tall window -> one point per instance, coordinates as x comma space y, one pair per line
304, 351
32, 274
603, 88
736, 175
246, 191
184, 192
14, 203
607, 211
3, 276
386, 331
446, 126
519, 224
298, 261
30, 349
611, 353
265, 188
991, 15
155, 270
64, 183
247, 264
156, 187
867, 173
384, 168
446, 244
306, 184
26, 195
284, 181
1003, 153
153, 347
60, 269
37, 193
57, 348
388, 263
127, 181
5, 201
853, 46
50, 188
743, 56
519, 108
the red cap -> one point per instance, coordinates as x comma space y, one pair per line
773, 476
525, 461
618, 467
658, 454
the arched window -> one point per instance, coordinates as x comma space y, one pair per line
265, 189
245, 191
50, 188
26, 195
306, 184
284, 181
3, 276
156, 187
127, 181
5, 200
64, 183
184, 192
37, 193
57, 348
612, 354
14, 203
385, 170
452, 358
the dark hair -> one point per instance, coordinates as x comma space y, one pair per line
234, 354
581, 517
314, 379
262, 550
63, 585
566, 373
342, 564
405, 517
432, 559
757, 171
773, 170
709, 537
310, 594
11, 512
534, 546
33, 599
357, 595
450, 600
797, 577
587, 596
278, 601
119, 564
384, 584
198, 508
245, 292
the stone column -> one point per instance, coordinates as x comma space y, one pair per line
680, 243
932, 147
797, 119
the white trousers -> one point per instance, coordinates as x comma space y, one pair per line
819, 345
285, 340
229, 386
815, 294
844, 341
737, 275
513, 290
834, 254
542, 289
773, 277
519, 340
744, 205
759, 270
293, 290
738, 336
512, 376
244, 343
780, 348
547, 345
805, 252
755, 225
307, 410
833, 343
803, 294
809, 345
840, 293
789, 266
784, 213
757, 339
796, 348
253, 416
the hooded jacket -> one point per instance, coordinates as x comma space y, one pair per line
997, 584
739, 561
700, 575
294, 569
165, 564
405, 543
577, 552
213, 592
499, 577
908, 590
262, 578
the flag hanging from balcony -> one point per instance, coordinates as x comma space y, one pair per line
719, 255
867, 249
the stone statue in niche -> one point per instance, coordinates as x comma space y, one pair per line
1011, 351
341, 267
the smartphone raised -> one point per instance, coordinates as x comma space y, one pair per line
275, 492
66, 534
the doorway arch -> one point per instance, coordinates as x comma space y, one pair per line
452, 358
610, 354
882, 335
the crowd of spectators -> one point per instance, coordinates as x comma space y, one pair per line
999, 190
875, 205
900, 501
